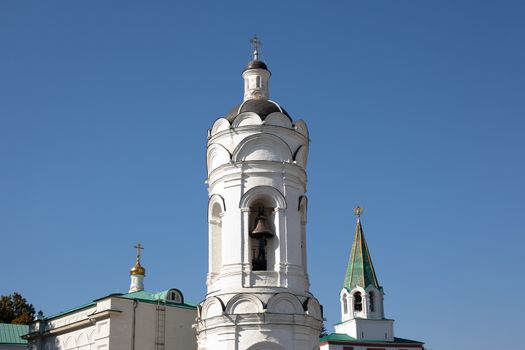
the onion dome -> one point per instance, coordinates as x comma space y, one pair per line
256, 64
137, 269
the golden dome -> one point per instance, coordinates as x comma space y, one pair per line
137, 269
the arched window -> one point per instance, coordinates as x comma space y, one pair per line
175, 296
258, 82
345, 304
358, 302
215, 230
371, 301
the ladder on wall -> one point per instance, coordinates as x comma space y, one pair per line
160, 327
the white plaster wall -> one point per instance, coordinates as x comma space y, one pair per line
116, 331
248, 309
231, 180
87, 337
265, 332
367, 329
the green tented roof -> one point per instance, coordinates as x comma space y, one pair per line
11, 333
360, 271
341, 337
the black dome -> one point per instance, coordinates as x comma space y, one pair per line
262, 107
255, 64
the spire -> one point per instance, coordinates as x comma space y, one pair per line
137, 272
360, 270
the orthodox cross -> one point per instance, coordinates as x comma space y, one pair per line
256, 44
139, 248
357, 211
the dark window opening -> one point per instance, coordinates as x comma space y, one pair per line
358, 302
261, 235
372, 304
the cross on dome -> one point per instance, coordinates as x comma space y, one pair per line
138, 269
256, 44
139, 247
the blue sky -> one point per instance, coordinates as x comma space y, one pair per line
415, 110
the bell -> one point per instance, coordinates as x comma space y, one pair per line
262, 229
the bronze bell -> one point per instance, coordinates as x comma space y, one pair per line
262, 229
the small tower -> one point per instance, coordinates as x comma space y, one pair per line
363, 325
362, 312
256, 76
137, 273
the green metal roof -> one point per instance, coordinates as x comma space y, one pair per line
360, 271
155, 298
11, 333
69, 311
144, 296
341, 337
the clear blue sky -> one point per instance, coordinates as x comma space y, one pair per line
416, 112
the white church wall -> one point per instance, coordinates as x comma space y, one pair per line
367, 329
120, 324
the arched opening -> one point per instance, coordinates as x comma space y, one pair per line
175, 296
215, 229
358, 302
371, 301
262, 233
345, 303
262, 209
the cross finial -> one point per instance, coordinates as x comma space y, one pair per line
357, 211
139, 248
256, 44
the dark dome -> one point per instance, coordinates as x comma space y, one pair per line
262, 107
255, 64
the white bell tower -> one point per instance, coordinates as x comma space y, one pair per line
258, 289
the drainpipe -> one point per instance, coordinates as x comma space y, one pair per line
135, 304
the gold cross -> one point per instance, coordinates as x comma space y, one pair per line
357, 211
139, 248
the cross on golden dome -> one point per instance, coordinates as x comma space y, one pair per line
138, 269
139, 248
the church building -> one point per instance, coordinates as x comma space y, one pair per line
258, 289
138, 320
